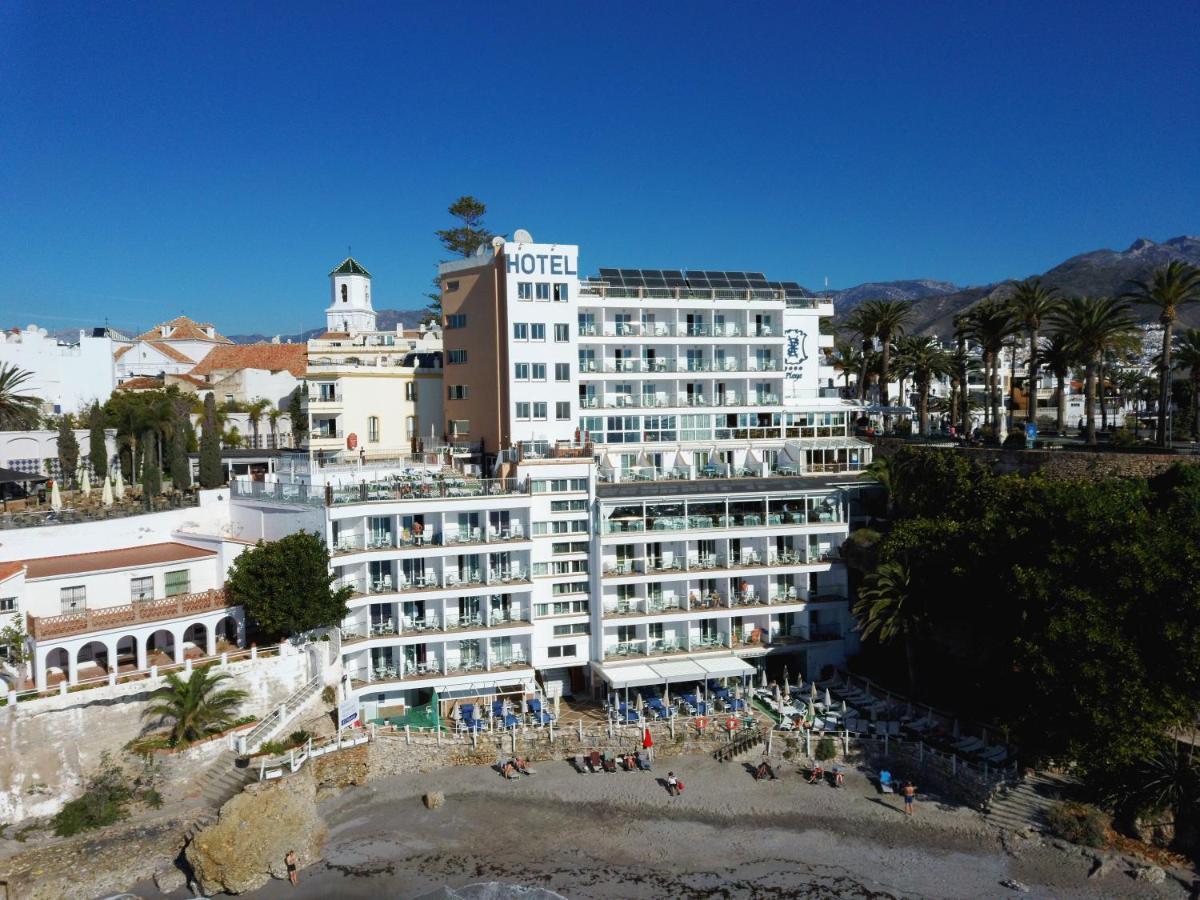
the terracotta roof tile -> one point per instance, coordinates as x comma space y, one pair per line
8, 570
170, 352
190, 379
141, 383
121, 351
183, 329
105, 560
269, 357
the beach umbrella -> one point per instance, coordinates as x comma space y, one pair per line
812, 691
85, 482
843, 707
764, 676
647, 740
787, 688
55, 496
812, 710
828, 699
119, 485
106, 495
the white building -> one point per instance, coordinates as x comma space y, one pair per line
651, 481
36, 452
170, 348
68, 377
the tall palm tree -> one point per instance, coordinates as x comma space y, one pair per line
254, 412
926, 360
1187, 356
1058, 355
195, 708
990, 323
847, 359
1169, 288
888, 319
1090, 324
860, 325
1032, 304
273, 416
18, 410
888, 608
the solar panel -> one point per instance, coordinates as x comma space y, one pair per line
698, 280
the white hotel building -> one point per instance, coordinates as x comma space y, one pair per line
652, 477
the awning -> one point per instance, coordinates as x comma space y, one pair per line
480, 690
726, 667
679, 670
629, 676
830, 443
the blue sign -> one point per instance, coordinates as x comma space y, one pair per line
347, 712
1030, 432
539, 264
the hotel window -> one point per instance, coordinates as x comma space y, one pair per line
562, 371
456, 357
459, 426
560, 651
539, 411
456, 320
410, 390
522, 410
521, 371
560, 292
557, 506
568, 630
525, 290
8, 604
587, 323
141, 588
373, 429
562, 333
72, 599
562, 608
177, 582
543, 290
410, 425
456, 392
539, 371
451, 286
537, 331
562, 411
520, 331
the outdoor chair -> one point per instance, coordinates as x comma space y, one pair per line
579, 764
595, 763
643, 761
540, 716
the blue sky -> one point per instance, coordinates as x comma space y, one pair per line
217, 159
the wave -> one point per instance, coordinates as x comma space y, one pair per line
492, 890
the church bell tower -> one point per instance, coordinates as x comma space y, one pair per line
350, 299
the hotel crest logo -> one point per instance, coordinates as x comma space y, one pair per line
794, 353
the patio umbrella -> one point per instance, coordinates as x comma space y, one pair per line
55, 496
640, 704
828, 699
843, 707
106, 495
647, 741
764, 677
812, 691
119, 485
812, 710
85, 482
787, 688
682, 460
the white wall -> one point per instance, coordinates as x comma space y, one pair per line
113, 588
43, 444
69, 377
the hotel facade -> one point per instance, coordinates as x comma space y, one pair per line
646, 479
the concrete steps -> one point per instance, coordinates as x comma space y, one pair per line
224, 780
1025, 804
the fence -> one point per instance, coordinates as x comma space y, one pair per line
297, 759
277, 718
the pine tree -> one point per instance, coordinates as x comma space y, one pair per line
97, 448
210, 446
462, 240
68, 448
151, 471
299, 419
181, 466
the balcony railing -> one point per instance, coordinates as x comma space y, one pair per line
42, 628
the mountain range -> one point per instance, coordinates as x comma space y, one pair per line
1096, 273
385, 320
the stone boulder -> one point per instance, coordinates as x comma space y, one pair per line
246, 846
434, 799
169, 878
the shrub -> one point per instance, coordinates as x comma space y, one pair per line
273, 748
296, 738
329, 695
826, 749
1015, 440
1077, 823
1122, 439
104, 802
152, 798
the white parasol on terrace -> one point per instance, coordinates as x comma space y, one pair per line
106, 495
85, 482
55, 496
119, 486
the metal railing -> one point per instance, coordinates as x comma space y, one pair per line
45, 627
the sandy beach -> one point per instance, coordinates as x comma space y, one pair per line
621, 835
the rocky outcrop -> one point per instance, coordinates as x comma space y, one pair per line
246, 846
434, 800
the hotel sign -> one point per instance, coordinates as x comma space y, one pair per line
540, 264
794, 354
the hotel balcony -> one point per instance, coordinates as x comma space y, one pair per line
105, 618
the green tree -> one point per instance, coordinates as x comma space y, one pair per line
97, 446
68, 449
195, 708
1187, 358
926, 361
210, 447
887, 610
1091, 324
1032, 304
461, 239
990, 323
181, 466
255, 410
286, 587
273, 415
151, 470
12, 640
848, 360
232, 438
105, 801
887, 320
1170, 287
299, 418
18, 410
862, 326
1058, 354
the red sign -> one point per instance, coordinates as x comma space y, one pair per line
351, 441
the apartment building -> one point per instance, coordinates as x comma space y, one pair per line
369, 394
649, 480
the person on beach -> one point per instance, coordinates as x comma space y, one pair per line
910, 795
672, 784
764, 770
290, 862
815, 773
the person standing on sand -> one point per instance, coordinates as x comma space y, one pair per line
910, 794
290, 861
672, 784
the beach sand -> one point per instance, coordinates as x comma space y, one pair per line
621, 836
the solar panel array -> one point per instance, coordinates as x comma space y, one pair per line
696, 280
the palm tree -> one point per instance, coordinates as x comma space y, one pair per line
1187, 346
990, 323
888, 608
888, 319
1032, 304
273, 415
1170, 287
1059, 356
1090, 324
18, 410
254, 412
859, 324
847, 359
926, 360
195, 708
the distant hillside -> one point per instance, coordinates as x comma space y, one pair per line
1096, 273
918, 289
385, 320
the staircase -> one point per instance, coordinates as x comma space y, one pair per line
1025, 804
273, 723
224, 780
747, 740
